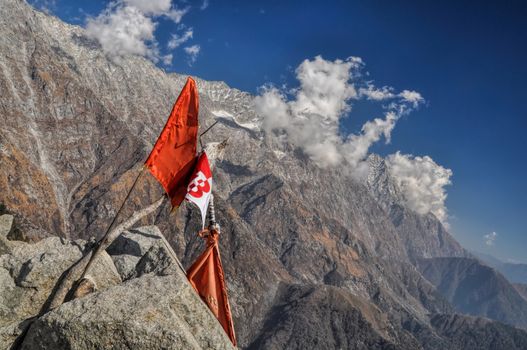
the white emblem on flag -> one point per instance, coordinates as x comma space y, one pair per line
200, 186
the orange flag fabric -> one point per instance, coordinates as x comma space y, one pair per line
174, 155
207, 277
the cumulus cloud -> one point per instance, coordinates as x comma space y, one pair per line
177, 40
311, 118
423, 183
123, 31
192, 52
127, 27
490, 238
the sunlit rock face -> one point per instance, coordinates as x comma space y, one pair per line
76, 128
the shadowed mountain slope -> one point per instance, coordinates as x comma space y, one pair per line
476, 289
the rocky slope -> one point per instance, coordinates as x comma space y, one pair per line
304, 248
515, 272
476, 289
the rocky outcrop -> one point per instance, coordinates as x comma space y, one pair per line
29, 273
151, 312
155, 308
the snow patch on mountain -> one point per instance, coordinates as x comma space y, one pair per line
254, 126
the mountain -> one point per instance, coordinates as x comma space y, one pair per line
313, 258
476, 333
515, 272
423, 236
476, 289
522, 289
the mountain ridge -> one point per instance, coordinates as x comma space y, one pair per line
81, 124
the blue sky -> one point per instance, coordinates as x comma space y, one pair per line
466, 58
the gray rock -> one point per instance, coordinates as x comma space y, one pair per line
135, 242
6, 224
151, 312
10, 332
139, 251
30, 272
125, 265
157, 260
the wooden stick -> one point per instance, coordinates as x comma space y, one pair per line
80, 266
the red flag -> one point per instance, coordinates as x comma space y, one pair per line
174, 154
207, 277
200, 187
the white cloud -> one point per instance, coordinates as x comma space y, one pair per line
192, 52
311, 119
490, 238
376, 94
167, 59
177, 40
150, 7
412, 96
122, 31
423, 183
176, 14
204, 5
357, 146
126, 27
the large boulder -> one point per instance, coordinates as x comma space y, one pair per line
28, 274
142, 250
151, 312
155, 308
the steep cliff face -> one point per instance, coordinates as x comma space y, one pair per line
77, 126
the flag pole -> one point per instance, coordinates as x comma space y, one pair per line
212, 215
104, 241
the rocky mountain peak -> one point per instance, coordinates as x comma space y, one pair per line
381, 183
